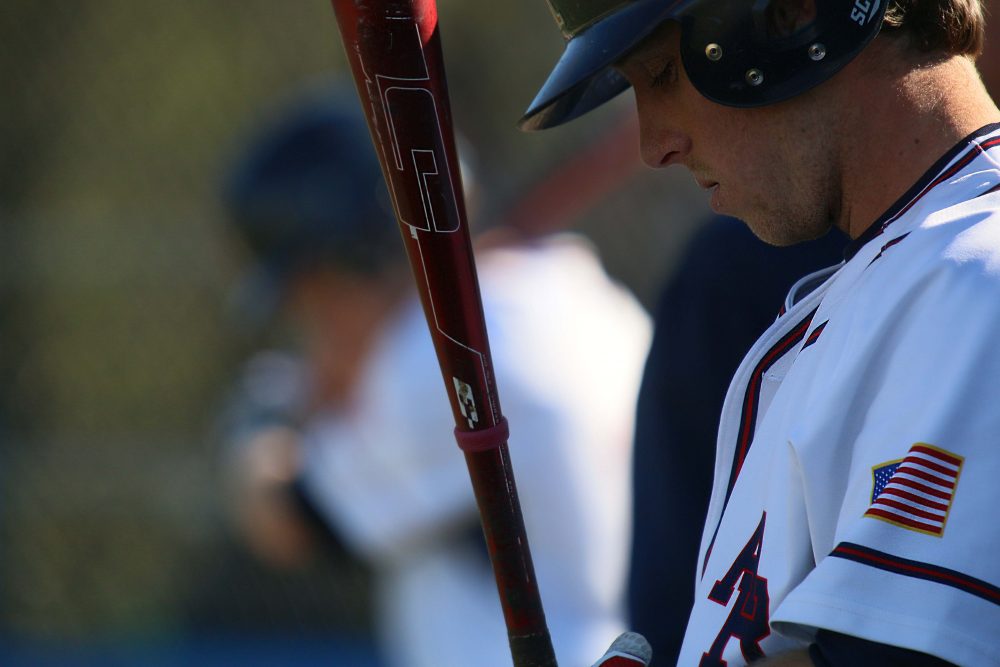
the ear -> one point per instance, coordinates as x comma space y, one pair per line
784, 18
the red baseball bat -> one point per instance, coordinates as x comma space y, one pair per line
394, 49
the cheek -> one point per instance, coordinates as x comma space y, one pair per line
722, 140
754, 146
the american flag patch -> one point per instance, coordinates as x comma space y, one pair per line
916, 492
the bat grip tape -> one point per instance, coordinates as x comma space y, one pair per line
483, 439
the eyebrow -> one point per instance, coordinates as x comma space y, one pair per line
645, 45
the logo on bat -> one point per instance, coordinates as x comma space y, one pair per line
466, 402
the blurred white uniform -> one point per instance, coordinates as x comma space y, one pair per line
568, 347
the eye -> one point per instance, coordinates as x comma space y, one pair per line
666, 74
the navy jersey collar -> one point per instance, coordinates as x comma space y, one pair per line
876, 227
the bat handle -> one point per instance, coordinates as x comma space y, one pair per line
496, 495
506, 540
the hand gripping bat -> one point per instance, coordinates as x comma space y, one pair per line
394, 49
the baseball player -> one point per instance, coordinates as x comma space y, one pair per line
850, 521
361, 441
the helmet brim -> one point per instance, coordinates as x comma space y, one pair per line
583, 77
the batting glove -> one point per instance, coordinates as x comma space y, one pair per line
630, 650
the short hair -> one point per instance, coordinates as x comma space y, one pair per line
953, 27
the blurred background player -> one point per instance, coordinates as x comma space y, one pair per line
350, 436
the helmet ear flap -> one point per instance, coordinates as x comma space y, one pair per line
766, 51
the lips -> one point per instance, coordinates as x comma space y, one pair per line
712, 187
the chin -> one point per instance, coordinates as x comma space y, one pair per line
779, 233
782, 234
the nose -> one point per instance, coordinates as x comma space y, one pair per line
661, 143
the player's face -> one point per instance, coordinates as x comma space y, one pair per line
769, 166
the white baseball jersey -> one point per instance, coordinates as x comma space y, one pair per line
568, 348
857, 481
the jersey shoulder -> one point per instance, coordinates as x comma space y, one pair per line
951, 253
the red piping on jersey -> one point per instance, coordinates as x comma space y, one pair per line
814, 336
975, 151
911, 568
749, 414
962, 154
752, 397
887, 246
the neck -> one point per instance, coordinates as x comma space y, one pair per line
907, 117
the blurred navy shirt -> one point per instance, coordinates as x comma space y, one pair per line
728, 288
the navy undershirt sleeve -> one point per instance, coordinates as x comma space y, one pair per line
833, 649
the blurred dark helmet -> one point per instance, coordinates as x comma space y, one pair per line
741, 53
309, 192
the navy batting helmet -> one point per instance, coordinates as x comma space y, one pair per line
309, 191
741, 53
